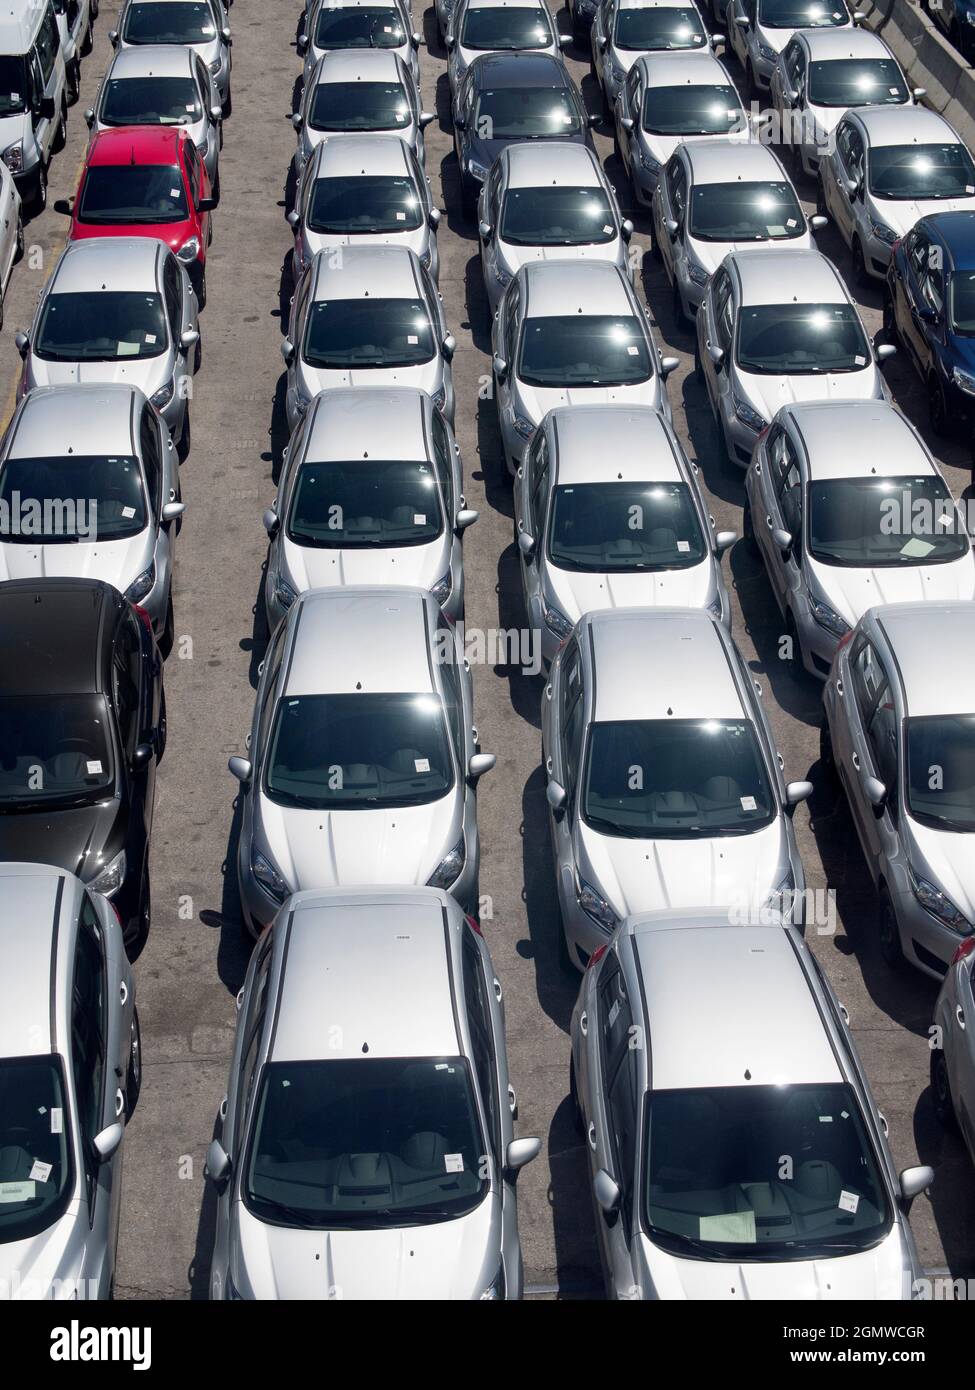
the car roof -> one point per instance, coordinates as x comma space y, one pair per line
506, 4
358, 65
137, 144
75, 419
18, 21
363, 975
35, 896
904, 125
742, 996
372, 272
606, 444
731, 161
551, 162
573, 287
115, 264
780, 276
519, 69
826, 45
356, 4
875, 437
152, 60
957, 231
683, 69
371, 422
653, 5
353, 155
942, 686
55, 635
660, 663
380, 632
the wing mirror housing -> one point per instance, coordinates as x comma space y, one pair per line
172, 510
668, 365
448, 347
242, 769
875, 792
425, 119
606, 1191
288, 351
626, 229
271, 522
918, 93
782, 539
302, 44
885, 351
464, 518
90, 117
218, 1163
795, 792
743, 22
479, 764
484, 230
106, 1142
22, 344
293, 218
433, 218
189, 339
626, 122
724, 540
526, 544
518, 1153
500, 366
914, 1181
817, 222
141, 756
113, 37
555, 795
415, 39
48, 109
206, 204
297, 120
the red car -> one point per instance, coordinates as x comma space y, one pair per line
148, 181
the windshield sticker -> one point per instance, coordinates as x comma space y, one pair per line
454, 1163
849, 1201
16, 1192
40, 1171
748, 803
94, 766
421, 764
734, 1226
57, 1120
128, 349
916, 548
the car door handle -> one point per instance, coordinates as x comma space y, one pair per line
512, 1100
768, 522
591, 1136
839, 688
497, 989
584, 1023
960, 1015
855, 760
119, 1102
123, 992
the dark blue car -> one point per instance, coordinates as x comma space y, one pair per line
957, 19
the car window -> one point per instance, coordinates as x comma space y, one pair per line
125, 690
193, 167
615, 1019
572, 711
47, 43
88, 1029
482, 1036
151, 459
443, 459
790, 502
254, 1026
452, 694
677, 188
539, 462
869, 679
203, 82
882, 733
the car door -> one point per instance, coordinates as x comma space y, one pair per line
508, 326
787, 514
872, 748
835, 169
195, 180
494, 1101
907, 291
768, 479
960, 1053
602, 29
719, 335
567, 760
10, 218
629, 104
675, 183
534, 500
927, 327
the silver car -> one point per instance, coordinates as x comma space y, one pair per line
342, 24
384, 1176
547, 201
76, 23
117, 309
362, 764
371, 493
953, 1049
663, 783
364, 191
819, 492
201, 25
735, 1150
898, 734
571, 333
163, 84
99, 464
70, 1072
666, 99
609, 514
355, 92
779, 326
623, 30
759, 30
717, 196
367, 316
498, 26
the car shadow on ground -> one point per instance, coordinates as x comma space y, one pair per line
522, 670
431, 34
576, 1252
478, 306
952, 1195
198, 1273
556, 984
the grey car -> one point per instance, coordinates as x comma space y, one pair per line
390, 1175
355, 92
76, 23
70, 1073
759, 30
953, 1047
819, 490
371, 493
100, 464
898, 734
362, 761
367, 316
343, 24
609, 513
623, 30
498, 26
118, 309
201, 25
735, 1150
663, 783
571, 333
364, 191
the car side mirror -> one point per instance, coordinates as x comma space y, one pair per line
858, 16
717, 41
434, 217
464, 518
48, 108
672, 227
450, 42
288, 351
885, 351
479, 764
743, 22
555, 795
297, 120
226, 35
626, 122
914, 1181
172, 510
242, 769
218, 1163
606, 1191
563, 40
484, 230
782, 539
460, 122
206, 204
106, 1142
817, 222
668, 365
293, 218
526, 544
852, 186
188, 339
626, 229
716, 355
518, 1153
90, 117
604, 43
22, 344
302, 45
919, 93
795, 792
724, 540
593, 120
113, 37
499, 364
415, 39
448, 347
875, 791
426, 117
141, 756
272, 522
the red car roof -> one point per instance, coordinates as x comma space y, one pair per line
137, 144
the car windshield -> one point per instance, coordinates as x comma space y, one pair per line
762, 1172
557, 216
150, 101
867, 522
942, 743
359, 106
798, 339
802, 14
101, 326
365, 1143
368, 26
921, 171
363, 204
584, 350
175, 21
961, 303
13, 84
615, 528
507, 27
366, 502
643, 31
346, 333
692, 109
36, 1171
77, 497
54, 748
526, 113
745, 212
360, 751
857, 82
697, 778
133, 193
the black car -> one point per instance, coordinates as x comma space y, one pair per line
82, 727
505, 98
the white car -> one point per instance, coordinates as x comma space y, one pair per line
355, 92
623, 30
334, 25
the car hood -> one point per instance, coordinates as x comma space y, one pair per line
576, 593
80, 840
314, 568
421, 376
852, 591
13, 127
171, 234
537, 401
114, 562
663, 146
710, 254
486, 151
948, 859
149, 375
445, 1260
769, 393
415, 240
514, 257
28, 1268
901, 214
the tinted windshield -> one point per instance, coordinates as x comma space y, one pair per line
176, 21
884, 521
497, 29
762, 1172
745, 212
557, 216
359, 106
961, 302
696, 109
53, 748
921, 171
698, 777
668, 27
526, 113
101, 326
133, 193
945, 743
802, 14
801, 338
618, 527
857, 82
150, 101
13, 84
384, 1141
346, 333
365, 502
584, 350
368, 203
366, 27
76, 497
35, 1146
343, 752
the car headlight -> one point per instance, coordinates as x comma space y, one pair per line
268, 877
439, 398
828, 618
449, 869
502, 276
747, 415
965, 381
441, 590
426, 260
556, 622
715, 608
140, 587
111, 878
202, 149
782, 897
970, 16
618, 73
767, 52
651, 165
189, 250
165, 394
882, 232
476, 171
283, 592
938, 904
525, 428
215, 65
13, 157
595, 907
697, 273
496, 1288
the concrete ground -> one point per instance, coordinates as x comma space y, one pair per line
193, 964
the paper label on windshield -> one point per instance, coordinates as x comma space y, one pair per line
893, 91
57, 1120
849, 1201
15, 96
419, 519
916, 548
737, 1226
128, 349
401, 217
969, 188
748, 803
698, 38
16, 1191
454, 1163
633, 351
128, 511
150, 337
190, 107
790, 221
174, 192
421, 764
860, 361
683, 547
412, 338
94, 767
607, 229
40, 1171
